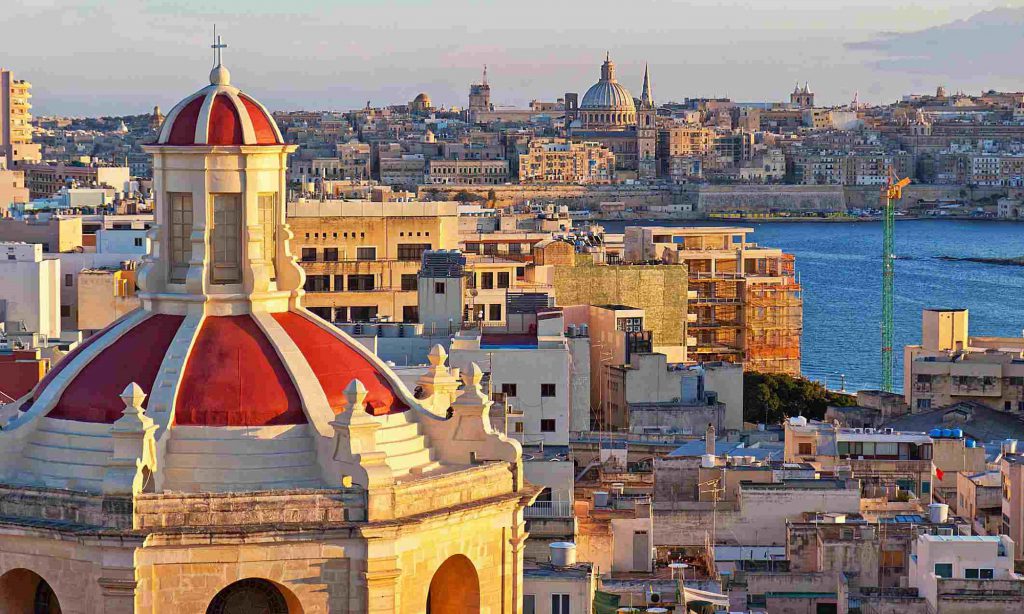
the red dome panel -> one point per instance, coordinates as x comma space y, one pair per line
235, 378
336, 364
94, 394
225, 127
183, 131
265, 133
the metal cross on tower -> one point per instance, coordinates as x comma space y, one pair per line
217, 47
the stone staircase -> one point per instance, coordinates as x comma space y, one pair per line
407, 448
67, 454
240, 459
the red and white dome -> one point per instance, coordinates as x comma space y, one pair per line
219, 114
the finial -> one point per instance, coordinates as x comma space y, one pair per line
473, 376
219, 75
437, 355
485, 74
355, 395
133, 396
607, 56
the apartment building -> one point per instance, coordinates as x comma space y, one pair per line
12, 188
962, 574
950, 366
550, 161
362, 258
16, 120
45, 180
743, 301
468, 172
29, 290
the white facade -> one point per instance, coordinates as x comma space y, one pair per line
30, 289
122, 241
534, 379
976, 557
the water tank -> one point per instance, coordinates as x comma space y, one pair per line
938, 512
1010, 446
563, 554
600, 499
657, 610
572, 330
618, 488
707, 461
957, 433
935, 433
971, 443
947, 433
584, 330
798, 421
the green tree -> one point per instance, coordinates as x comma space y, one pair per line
772, 397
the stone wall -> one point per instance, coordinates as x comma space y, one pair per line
768, 198
171, 510
66, 506
462, 487
577, 196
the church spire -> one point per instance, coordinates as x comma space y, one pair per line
646, 97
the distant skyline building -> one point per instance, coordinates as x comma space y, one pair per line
802, 97
479, 97
15, 120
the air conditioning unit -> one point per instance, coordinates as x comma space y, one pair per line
653, 596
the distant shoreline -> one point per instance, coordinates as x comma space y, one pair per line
805, 220
1019, 261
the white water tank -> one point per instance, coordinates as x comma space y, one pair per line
600, 498
563, 554
938, 512
798, 421
618, 488
1010, 446
707, 461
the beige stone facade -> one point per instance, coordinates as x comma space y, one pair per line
548, 161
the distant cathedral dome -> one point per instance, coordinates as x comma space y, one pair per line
423, 99
421, 103
608, 94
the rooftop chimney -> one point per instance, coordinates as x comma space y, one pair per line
709, 439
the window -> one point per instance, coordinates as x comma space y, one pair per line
366, 253
65, 311
309, 254
339, 283
494, 313
490, 249
508, 390
410, 313
180, 240
518, 427
547, 425
515, 248
330, 254
805, 449
630, 325
529, 604
924, 403
438, 287
226, 239
547, 390
409, 282
412, 251
944, 570
363, 314
978, 574
138, 241
69, 280
487, 281
503, 279
559, 604
318, 283
360, 283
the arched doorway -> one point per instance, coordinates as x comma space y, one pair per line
455, 588
254, 596
23, 591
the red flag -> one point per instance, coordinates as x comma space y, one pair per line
939, 473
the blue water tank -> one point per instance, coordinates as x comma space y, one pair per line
958, 433
935, 433
947, 433
971, 443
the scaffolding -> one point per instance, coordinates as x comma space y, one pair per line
773, 314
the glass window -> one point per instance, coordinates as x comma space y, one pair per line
412, 251
508, 390
330, 254
409, 282
559, 604
366, 253
503, 279
547, 390
944, 570
180, 248
529, 604
438, 287
494, 313
971, 573
226, 239
309, 254
487, 281
986, 574
268, 226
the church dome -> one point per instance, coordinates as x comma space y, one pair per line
219, 114
608, 94
422, 99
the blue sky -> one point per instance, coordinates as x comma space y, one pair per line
91, 57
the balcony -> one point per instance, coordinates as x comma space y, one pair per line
549, 509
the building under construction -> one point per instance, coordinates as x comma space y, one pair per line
744, 303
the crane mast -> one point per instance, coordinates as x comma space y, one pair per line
891, 192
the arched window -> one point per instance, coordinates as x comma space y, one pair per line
253, 595
23, 590
455, 588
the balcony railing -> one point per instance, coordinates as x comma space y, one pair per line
549, 509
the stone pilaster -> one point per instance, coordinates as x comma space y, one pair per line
363, 464
134, 447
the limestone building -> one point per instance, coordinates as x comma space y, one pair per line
16, 120
223, 450
551, 161
608, 114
